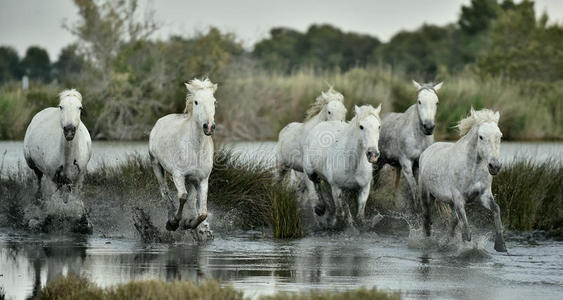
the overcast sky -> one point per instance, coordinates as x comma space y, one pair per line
38, 22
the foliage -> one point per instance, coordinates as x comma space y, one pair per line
524, 48
530, 194
321, 47
37, 64
10, 68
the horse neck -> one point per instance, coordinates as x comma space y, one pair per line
414, 120
69, 148
468, 148
195, 135
352, 138
314, 120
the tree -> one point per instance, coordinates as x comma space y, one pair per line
9, 64
523, 47
478, 16
37, 64
321, 47
69, 65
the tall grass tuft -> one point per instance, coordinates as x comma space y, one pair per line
530, 194
286, 215
80, 287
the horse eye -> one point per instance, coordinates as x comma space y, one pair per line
419, 102
195, 102
329, 112
60, 107
80, 108
437, 103
480, 137
361, 127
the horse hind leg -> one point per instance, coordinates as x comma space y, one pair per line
160, 177
39, 175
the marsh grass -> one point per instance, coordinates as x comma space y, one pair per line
80, 287
530, 194
246, 191
256, 105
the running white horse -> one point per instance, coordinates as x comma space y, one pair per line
342, 154
404, 136
457, 173
327, 107
57, 143
181, 145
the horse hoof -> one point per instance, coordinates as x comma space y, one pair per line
172, 225
500, 245
320, 210
194, 223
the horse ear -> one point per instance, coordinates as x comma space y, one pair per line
438, 86
214, 87
189, 87
497, 116
416, 85
356, 110
378, 109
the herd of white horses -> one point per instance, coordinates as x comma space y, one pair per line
325, 147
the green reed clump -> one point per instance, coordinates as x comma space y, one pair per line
286, 215
251, 189
530, 194
80, 287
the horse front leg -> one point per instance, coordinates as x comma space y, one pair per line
406, 168
427, 203
338, 207
174, 219
489, 202
201, 210
459, 206
362, 200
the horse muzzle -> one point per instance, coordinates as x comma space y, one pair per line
428, 128
372, 156
69, 131
494, 167
208, 130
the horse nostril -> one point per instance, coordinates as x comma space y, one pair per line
213, 126
205, 126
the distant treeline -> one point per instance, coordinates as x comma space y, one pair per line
499, 38
129, 79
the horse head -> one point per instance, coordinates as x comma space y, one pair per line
70, 105
368, 123
426, 105
488, 143
201, 103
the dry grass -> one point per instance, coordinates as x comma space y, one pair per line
79, 287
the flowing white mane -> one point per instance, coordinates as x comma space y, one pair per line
322, 101
365, 111
196, 85
70, 93
476, 117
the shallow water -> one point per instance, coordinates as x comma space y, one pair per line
258, 265
112, 153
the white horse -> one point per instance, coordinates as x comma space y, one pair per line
457, 173
327, 107
181, 145
404, 136
342, 154
58, 144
